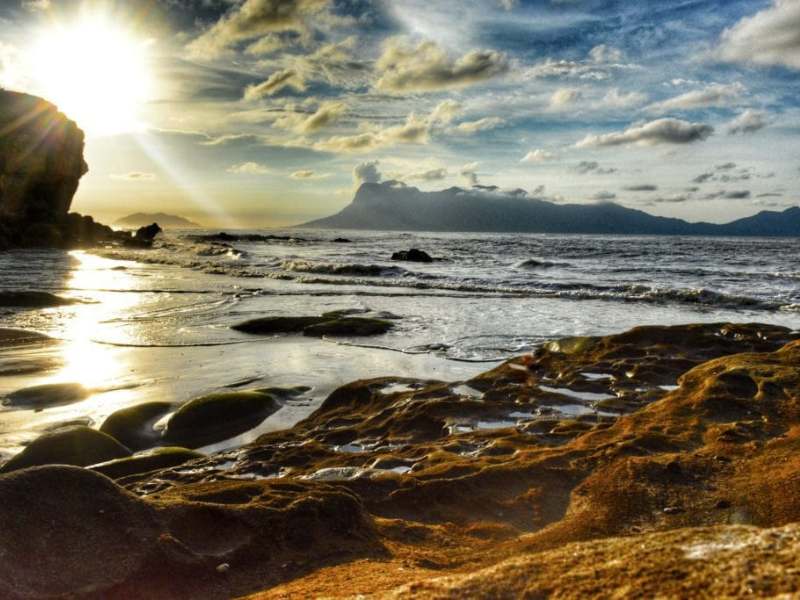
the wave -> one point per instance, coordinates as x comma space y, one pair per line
356, 270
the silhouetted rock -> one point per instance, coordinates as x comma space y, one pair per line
333, 324
164, 220
32, 300
412, 255
243, 237
144, 236
341, 240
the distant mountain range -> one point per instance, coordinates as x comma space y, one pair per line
164, 220
394, 206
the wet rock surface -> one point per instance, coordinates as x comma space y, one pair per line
330, 324
552, 474
32, 300
413, 255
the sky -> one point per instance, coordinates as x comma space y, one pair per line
259, 113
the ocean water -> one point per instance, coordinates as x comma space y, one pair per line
155, 324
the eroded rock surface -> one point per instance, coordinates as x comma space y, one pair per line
665, 448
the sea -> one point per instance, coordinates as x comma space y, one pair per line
156, 324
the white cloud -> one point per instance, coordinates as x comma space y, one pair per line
485, 124
470, 173
252, 19
605, 54
749, 121
367, 172
769, 37
563, 97
275, 83
446, 111
326, 114
427, 67
248, 168
537, 156
716, 94
308, 174
616, 99
660, 131
414, 131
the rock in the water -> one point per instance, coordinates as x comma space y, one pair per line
45, 396
79, 446
69, 532
144, 462
133, 426
32, 300
413, 255
333, 324
218, 417
349, 326
341, 240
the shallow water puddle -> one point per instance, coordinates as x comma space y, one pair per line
398, 388
468, 391
498, 424
586, 396
669, 388
597, 376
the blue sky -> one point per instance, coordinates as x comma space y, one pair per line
270, 112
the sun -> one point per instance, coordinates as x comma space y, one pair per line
95, 71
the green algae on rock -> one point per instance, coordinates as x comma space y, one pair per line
133, 426
218, 417
79, 446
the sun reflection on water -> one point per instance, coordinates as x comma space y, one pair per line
92, 364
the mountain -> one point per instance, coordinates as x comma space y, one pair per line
164, 220
392, 205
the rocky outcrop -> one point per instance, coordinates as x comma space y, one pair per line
41, 165
661, 462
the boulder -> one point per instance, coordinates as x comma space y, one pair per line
151, 460
348, 326
133, 426
218, 417
273, 325
79, 446
413, 255
70, 532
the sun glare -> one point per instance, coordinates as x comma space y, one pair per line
96, 72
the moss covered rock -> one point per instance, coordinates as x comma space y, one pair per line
79, 446
218, 417
133, 426
151, 460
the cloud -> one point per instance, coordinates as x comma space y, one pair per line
414, 131
308, 174
703, 178
326, 114
470, 173
734, 195
616, 99
585, 167
660, 131
134, 176
446, 111
248, 168
644, 187
769, 37
251, 19
266, 45
538, 155
716, 94
749, 121
427, 175
367, 172
605, 54
676, 199
485, 124
275, 83
426, 67
508, 4
604, 196
564, 97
